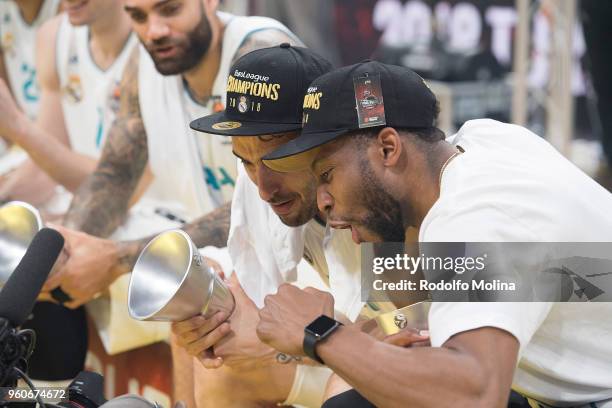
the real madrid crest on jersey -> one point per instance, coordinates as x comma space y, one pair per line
73, 90
114, 95
7, 45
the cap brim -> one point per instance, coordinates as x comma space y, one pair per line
220, 124
304, 142
299, 153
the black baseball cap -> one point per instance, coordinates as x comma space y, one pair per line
362, 95
265, 90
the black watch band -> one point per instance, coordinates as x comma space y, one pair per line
320, 328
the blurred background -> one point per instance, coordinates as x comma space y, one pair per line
540, 64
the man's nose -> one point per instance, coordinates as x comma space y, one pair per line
325, 201
157, 29
267, 181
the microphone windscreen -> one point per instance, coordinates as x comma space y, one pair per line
19, 294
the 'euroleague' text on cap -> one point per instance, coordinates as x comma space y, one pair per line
265, 90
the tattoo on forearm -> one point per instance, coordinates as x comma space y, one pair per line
100, 205
211, 229
265, 38
129, 252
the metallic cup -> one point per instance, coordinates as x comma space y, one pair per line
171, 282
410, 317
19, 222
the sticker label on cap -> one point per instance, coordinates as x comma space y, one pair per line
369, 98
226, 125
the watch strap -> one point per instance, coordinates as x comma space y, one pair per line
310, 344
311, 339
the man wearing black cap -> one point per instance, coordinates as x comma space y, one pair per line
383, 167
264, 110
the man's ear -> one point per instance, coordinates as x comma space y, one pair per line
389, 146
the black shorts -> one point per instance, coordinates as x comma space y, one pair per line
352, 399
348, 399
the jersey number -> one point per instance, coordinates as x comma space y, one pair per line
30, 87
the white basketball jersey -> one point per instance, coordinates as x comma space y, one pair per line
194, 170
18, 44
90, 95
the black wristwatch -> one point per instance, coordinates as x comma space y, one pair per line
320, 328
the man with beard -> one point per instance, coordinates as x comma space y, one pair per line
178, 74
491, 182
285, 214
192, 46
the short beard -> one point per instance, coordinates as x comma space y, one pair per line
307, 213
195, 47
384, 216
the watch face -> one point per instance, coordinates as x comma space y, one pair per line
321, 325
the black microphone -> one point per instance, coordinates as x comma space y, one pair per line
19, 294
17, 299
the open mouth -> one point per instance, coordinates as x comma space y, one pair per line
343, 225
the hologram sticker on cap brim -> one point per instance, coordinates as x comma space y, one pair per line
369, 99
297, 162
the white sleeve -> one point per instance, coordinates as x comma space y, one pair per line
485, 224
521, 319
264, 252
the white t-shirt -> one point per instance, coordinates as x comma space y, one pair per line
265, 252
512, 186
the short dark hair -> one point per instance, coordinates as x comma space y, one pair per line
429, 135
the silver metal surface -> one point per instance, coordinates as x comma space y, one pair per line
410, 317
171, 282
19, 222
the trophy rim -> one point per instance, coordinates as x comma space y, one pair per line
187, 239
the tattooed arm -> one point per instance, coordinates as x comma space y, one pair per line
94, 263
211, 229
101, 202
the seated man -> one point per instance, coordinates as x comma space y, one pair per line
79, 64
490, 182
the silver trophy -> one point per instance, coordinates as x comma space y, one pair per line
19, 222
171, 282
